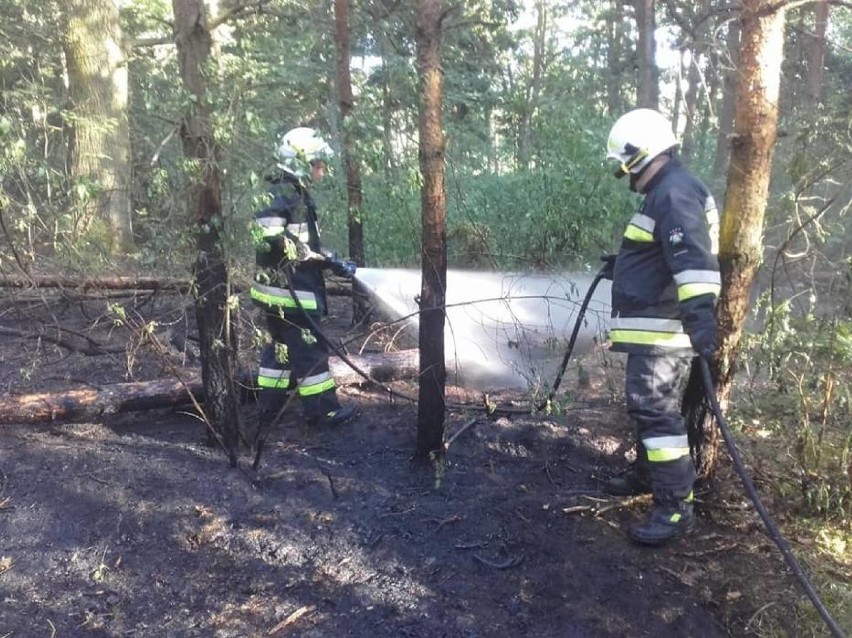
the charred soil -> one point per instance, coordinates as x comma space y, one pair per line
133, 525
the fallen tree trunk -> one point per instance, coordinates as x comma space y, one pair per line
119, 282
83, 283
82, 404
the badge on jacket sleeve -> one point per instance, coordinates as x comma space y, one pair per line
676, 236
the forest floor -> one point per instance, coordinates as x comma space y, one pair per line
133, 525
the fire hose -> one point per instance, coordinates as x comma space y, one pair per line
710, 394
603, 273
748, 484
730, 444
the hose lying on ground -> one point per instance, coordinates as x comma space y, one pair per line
748, 484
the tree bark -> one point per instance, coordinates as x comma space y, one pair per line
648, 81
99, 147
346, 102
218, 339
816, 72
678, 96
726, 110
742, 223
433, 373
82, 404
388, 106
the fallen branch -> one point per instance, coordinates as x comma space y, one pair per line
82, 404
119, 282
473, 545
328, 476
85, 283
289, 620
467, 425
445, 521
84, 345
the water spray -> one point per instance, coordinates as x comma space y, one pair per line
710, 394
503, 330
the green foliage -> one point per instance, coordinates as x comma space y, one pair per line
565, 213
803, 367
273, 68
536, 219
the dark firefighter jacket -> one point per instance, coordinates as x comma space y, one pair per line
286, 239
666, 277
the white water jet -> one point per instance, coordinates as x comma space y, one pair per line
503, 330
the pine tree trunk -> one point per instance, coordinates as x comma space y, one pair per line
533, 91
99, 147
346, 101
726, 110
741, 236
615, 59
218, 341
433, 374
694, 84
816, 70
648, 81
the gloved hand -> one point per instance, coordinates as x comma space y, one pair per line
704, 341
608, 269
342, 268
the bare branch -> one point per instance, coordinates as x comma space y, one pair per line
788, 5
139, 43
231, 14
237, 11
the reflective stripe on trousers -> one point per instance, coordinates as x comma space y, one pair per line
304, 368
647, 331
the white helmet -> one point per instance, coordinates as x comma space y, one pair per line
300, 147
636, 138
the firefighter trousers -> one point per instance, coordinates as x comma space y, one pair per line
653, 386
295, 359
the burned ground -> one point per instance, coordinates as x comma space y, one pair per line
133, 525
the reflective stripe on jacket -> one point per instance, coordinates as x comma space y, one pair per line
283, 298
286, 231
666, 277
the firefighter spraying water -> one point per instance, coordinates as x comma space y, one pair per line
289, 287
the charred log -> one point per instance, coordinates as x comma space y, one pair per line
119, 282
87, 403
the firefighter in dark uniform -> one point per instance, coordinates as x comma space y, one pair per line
290, 288
665, 285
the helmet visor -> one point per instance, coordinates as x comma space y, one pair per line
631, 158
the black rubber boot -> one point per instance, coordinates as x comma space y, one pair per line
636, 480
664, 524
